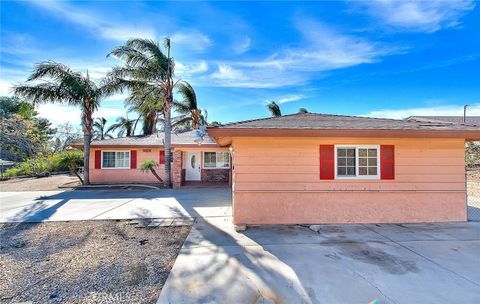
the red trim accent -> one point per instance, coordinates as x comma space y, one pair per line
327, 162
162, 157
98, 159
387, 162
133, 159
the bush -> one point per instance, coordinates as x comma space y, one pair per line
57, 162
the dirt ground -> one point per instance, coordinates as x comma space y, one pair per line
39, 184
86, 261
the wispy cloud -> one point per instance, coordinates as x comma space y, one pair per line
323, 49
290, 98
242, 45
445, 110
92, 22
418, 16
189, 69
194, 40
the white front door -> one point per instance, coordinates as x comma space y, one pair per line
192, 171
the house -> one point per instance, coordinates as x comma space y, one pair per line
118, 160
316, 168
312, 168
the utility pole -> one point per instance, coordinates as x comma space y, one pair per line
465, 113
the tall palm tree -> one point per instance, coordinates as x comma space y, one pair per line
148, 104
52, 82
147, 68
190, 115
124, 125
100, 130
274, 109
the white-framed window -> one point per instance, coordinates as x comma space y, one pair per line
216, 160
357, 162
115, 159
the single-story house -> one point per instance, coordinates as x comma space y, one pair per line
313, 168
118, 160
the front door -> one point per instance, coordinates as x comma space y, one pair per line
192, 171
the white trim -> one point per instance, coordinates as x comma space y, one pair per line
357, 176
215, 168
115, 168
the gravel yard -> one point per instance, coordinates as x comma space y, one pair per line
86, 261
38, 184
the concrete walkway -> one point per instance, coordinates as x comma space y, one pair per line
418, 263
75, 205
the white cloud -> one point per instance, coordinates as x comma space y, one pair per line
194, 40
447, 110
290, 98
419, 16
242, 45
59, 113
95, 23
186, 69
323, 49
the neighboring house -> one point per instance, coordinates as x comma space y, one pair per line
316, 168
118, 160
452, 119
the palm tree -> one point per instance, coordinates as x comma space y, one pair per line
148, 104
149, 165
52, 82
124, 125
302, 110
274, 109
190, 115
100, 130
147, 68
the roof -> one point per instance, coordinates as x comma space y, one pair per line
154, 140
314, 121
453, 119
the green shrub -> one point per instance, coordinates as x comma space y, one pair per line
58, 162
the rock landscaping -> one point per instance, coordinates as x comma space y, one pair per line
86, 261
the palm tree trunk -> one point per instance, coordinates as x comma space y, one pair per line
168, 142
86, 158
156, 175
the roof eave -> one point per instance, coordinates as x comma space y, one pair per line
471, 135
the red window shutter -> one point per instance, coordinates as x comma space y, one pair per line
387, 162
327, 162
162, 157
98, 159
133, 159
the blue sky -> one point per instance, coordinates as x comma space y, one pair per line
377, 58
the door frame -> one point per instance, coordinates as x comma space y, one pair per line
187, 165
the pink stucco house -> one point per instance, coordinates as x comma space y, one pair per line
313, 168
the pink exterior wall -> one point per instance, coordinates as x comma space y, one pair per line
276, 181
113, 176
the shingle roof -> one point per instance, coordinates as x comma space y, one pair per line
313, 121
454, 119
157, 139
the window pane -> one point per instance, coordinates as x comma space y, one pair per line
341, 152
372, 171
341, 171
351, 152
351, 162
108, 159
372, 162
362, 161
122, 159
210, 159
372, 152
362, 152
362, 170
342, 161
351, 171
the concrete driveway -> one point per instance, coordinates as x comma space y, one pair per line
417, 263
40, 206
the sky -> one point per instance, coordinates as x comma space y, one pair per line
374, 58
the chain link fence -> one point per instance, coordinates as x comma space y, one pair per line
473, 194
